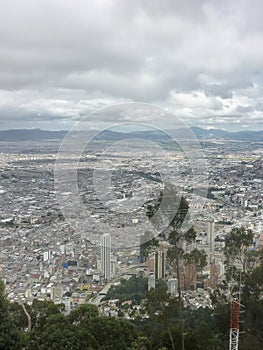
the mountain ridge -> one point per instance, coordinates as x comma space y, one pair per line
154, 135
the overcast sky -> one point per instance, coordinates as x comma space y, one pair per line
62, 59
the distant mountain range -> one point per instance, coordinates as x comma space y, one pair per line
226, 135
30, 135
152, 135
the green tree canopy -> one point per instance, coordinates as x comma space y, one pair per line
10, 337
237, 244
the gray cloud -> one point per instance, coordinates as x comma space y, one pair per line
244, 109
61, 59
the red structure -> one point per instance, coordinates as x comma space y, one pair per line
234, 324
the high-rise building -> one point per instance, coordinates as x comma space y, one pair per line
142, 257
190, 276
211, 238
159, 262
106, 256
114, 266
214, 274
151, 263
212, 280
173, 286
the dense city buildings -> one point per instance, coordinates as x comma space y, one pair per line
44, 257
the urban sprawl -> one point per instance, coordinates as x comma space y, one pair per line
43, 256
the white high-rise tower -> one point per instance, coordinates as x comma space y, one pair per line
211, 238
106, 256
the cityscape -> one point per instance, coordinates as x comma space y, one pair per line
131, 175
43, 257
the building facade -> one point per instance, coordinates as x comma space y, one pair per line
106, 256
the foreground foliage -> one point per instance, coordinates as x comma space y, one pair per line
83, 328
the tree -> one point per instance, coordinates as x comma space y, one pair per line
176, 254
57, 333
173, 209
10, 337
40, 311
83, 312
237, 251
196, 257
141, 343
156, 299
148, 244
110, 333
244, 272
253, 285
83, 328
19, 316
135, 289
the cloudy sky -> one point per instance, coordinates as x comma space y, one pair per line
62, 59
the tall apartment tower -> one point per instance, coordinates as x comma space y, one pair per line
159, 262
106, 256
211, 238
190, 276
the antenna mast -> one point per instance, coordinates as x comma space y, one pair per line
234, 323
235, 319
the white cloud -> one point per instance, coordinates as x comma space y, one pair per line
201, 59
